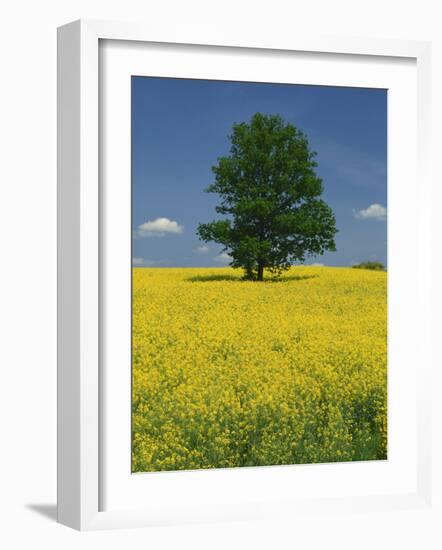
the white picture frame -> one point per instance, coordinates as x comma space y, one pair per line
80, 394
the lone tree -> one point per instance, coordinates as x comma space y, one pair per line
270, 194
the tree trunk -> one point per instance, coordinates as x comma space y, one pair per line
260, 276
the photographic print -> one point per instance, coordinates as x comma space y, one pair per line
259, 274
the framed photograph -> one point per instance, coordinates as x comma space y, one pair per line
242, 331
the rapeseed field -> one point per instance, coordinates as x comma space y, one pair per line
231, 373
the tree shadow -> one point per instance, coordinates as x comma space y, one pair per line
292, 278
214, 277
237, 279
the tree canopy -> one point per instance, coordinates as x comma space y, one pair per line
270, 194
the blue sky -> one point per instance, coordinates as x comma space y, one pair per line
180, 127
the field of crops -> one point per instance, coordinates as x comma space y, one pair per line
232, 373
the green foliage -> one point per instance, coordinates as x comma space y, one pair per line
270, 195
375, 266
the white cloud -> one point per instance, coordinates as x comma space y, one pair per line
223, 258
159, 228
374, 212
142, 262
317, 265
203, 249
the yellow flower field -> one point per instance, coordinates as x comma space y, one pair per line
232, 373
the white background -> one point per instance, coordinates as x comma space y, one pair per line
28, 276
